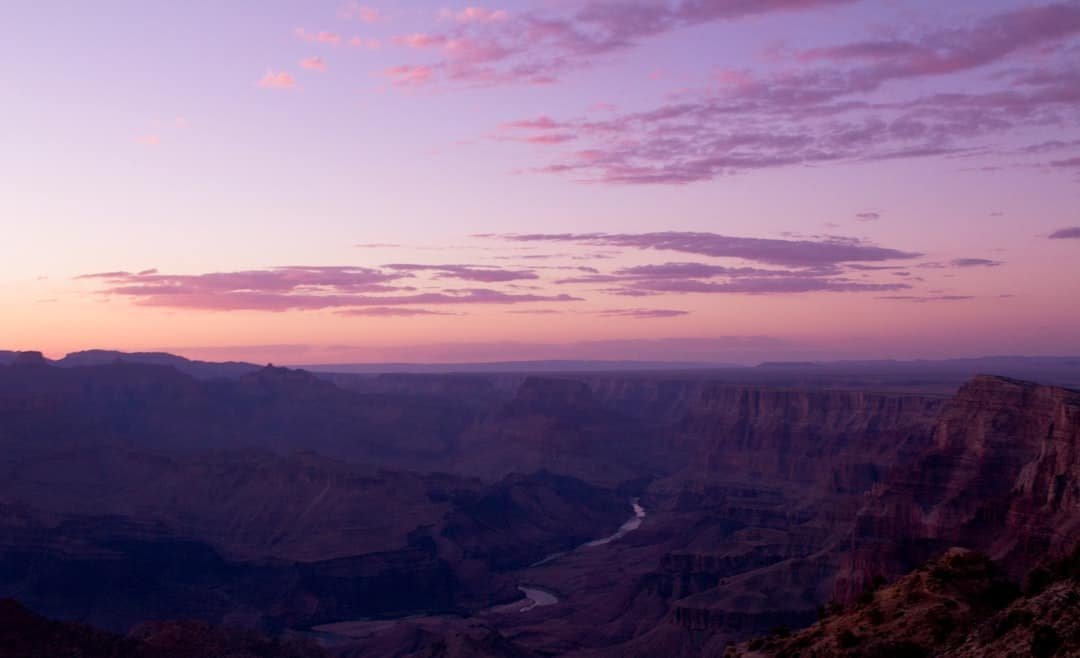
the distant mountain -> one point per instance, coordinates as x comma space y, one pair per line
557, 366
197, 369
924, 375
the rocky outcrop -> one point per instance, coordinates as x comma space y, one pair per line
840, 441
1001, 475
780, 476
922, 614
961, 605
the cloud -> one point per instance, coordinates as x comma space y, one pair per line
539, 123
974, 262
361, 42
467, 272
924, 299
698, 350
313, 64
1066, 163
1070, 233
420, 40
690, 271
277, 80
390, 312
148, 140
537, 47
294, 288
824, 109
409, 76
474, 15
868, 216
365, 14
795, 283
797, 253
643, 313
323, 37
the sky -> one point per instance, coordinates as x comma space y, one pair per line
712, 180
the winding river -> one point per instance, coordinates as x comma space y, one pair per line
537, 597
532, 596
626, 528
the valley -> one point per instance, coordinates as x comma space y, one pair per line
586, 515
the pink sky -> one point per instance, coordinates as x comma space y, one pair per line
415, 181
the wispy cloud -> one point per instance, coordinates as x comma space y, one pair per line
643, 313
467, 272
799, 253
824, 109
475, 15
358, 12
324, 37
1070, 233
295, 288
922, 299
485, 46
313, 64
391, 312
974, 262
277, 80
409, 76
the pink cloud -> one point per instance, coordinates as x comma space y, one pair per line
643, 313
819, 113
922, 299
360, 42
295, 288
390, 312
313, 64
475, 15
467, 272
771, 285
363, 13
1070, 233
974, 262
148, 140
1067, 162
277, 80
420, 40
539, 123
324, 37
799, 253
407, 75
538, 47
560, 138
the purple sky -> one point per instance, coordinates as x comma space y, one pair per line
419, 181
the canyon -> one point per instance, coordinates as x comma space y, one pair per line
589, 514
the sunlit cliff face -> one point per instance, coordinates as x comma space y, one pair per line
720, 181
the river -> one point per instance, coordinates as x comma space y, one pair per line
533, 597
626, 528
